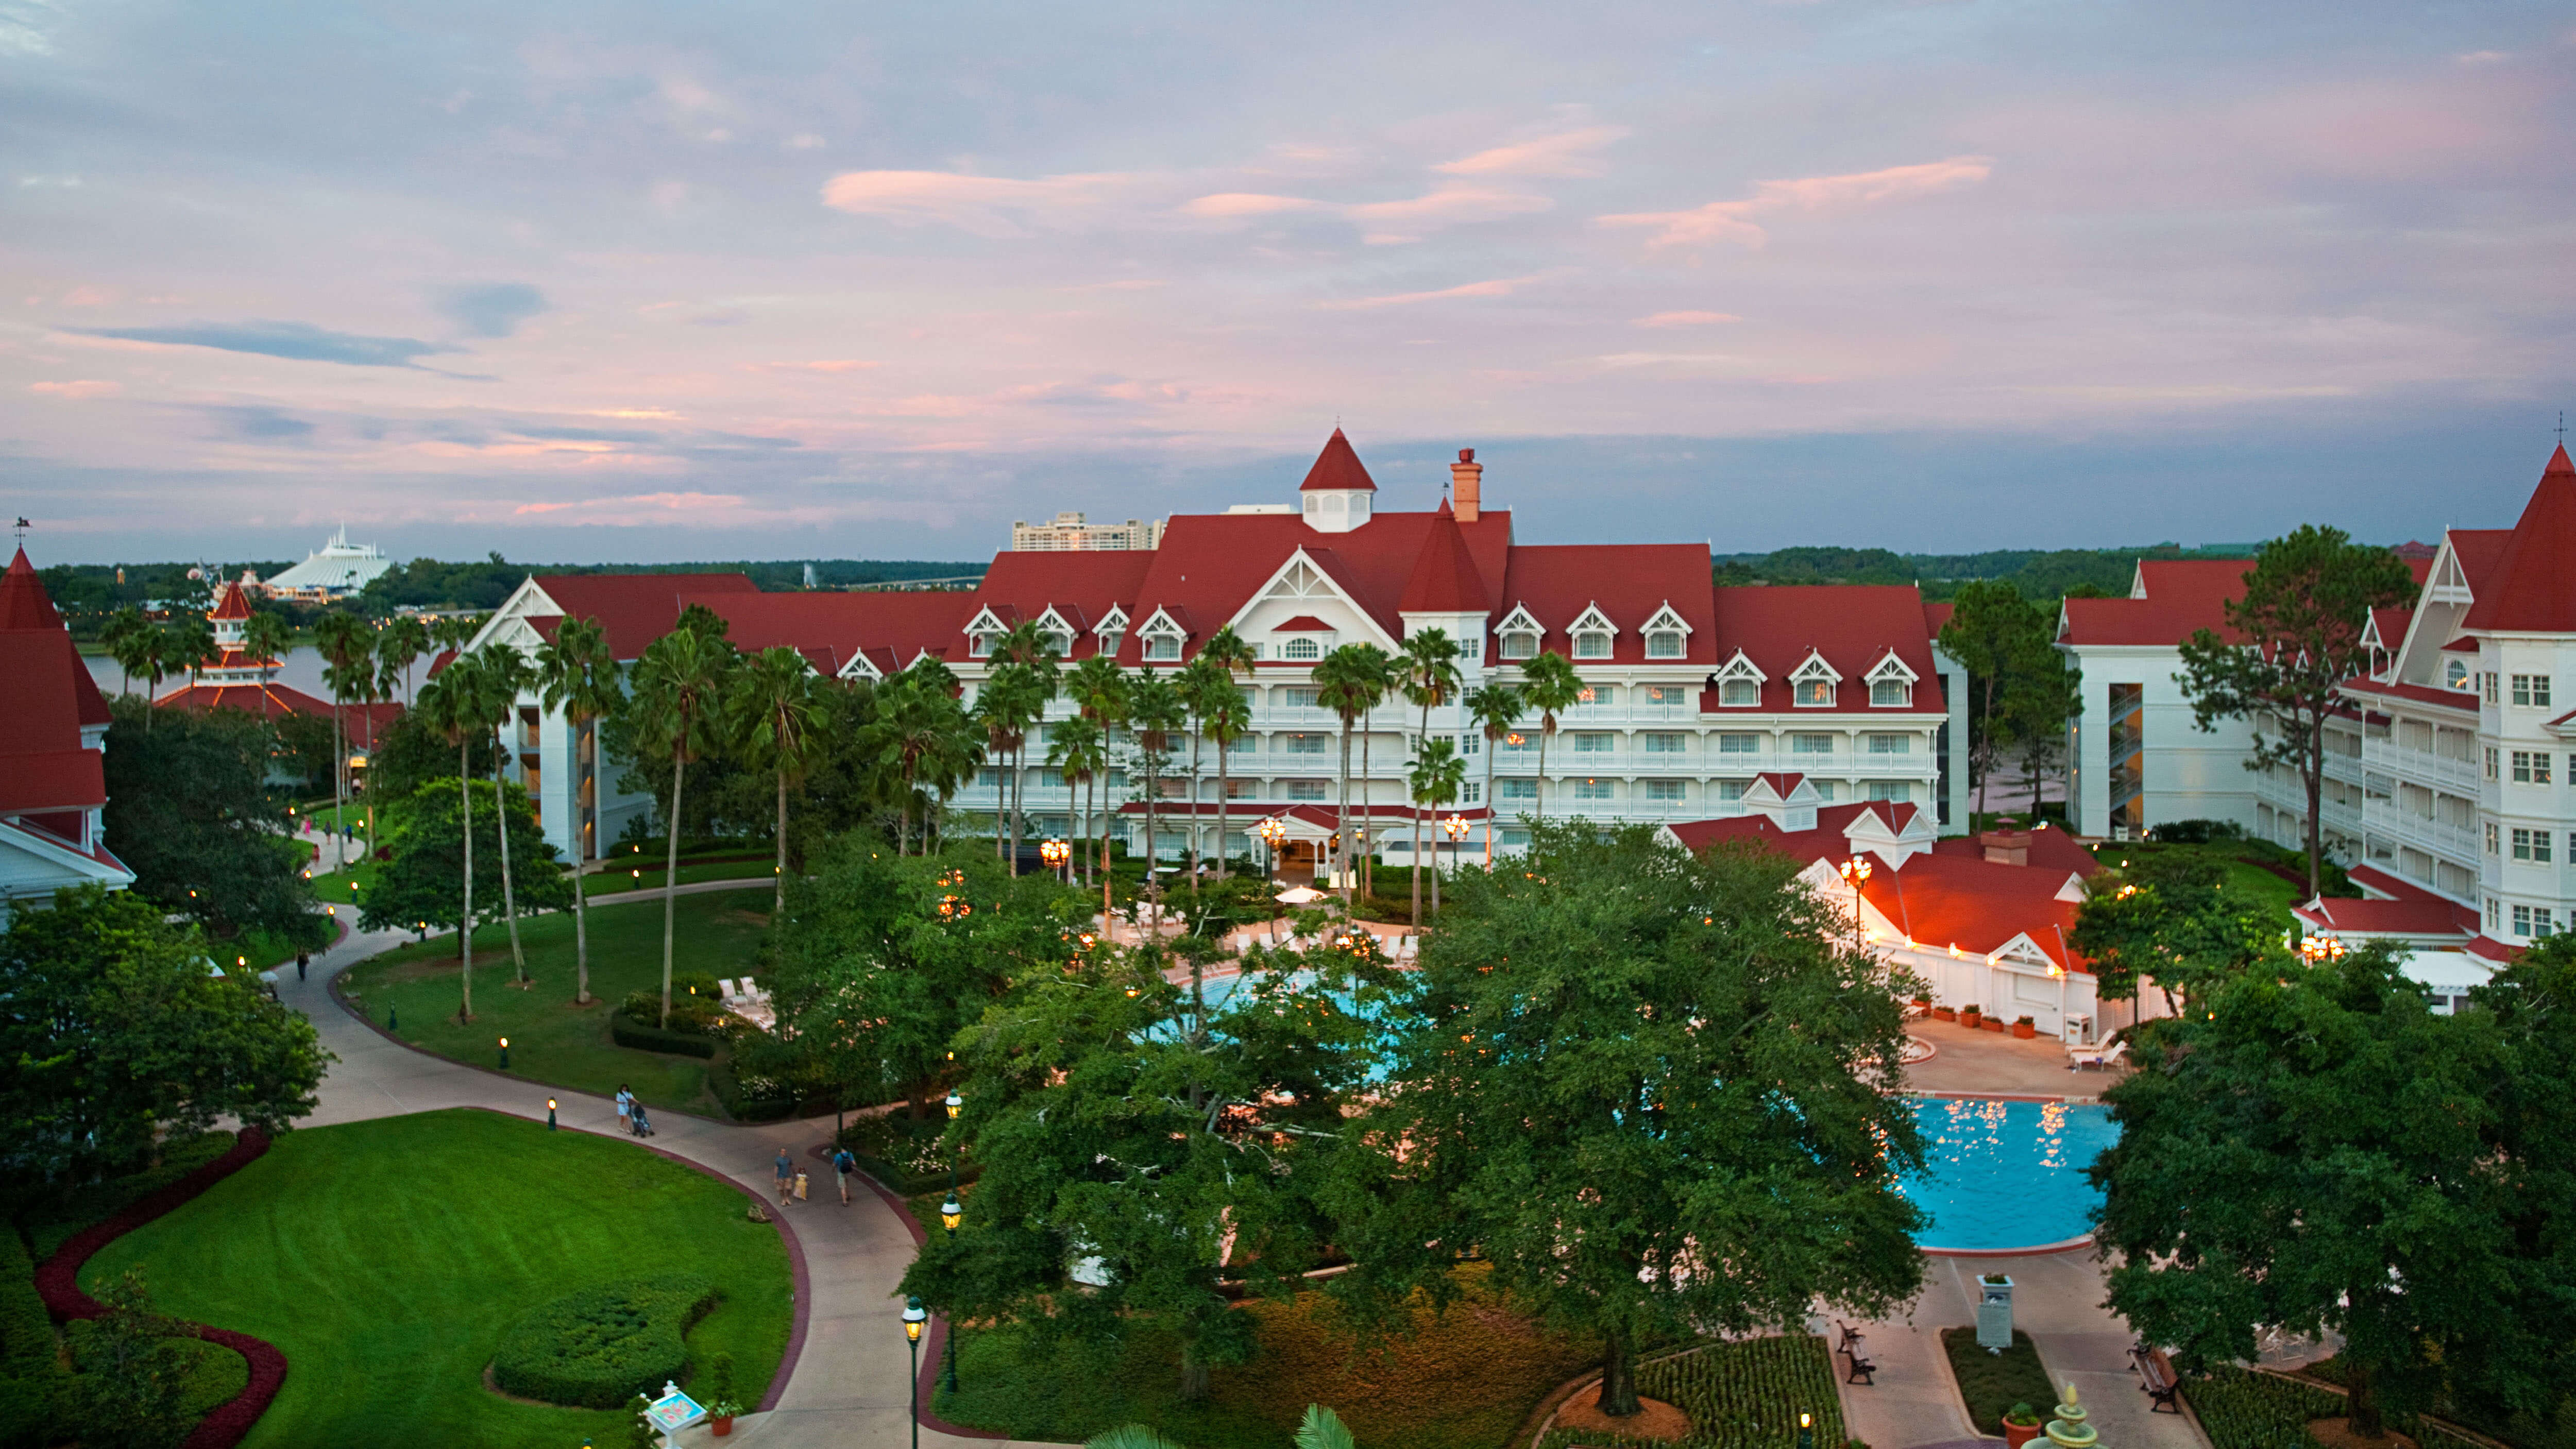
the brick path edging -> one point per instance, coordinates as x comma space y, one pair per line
58, 1283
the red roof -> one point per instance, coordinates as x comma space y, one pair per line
1936, 617
362, 721
635, 609
830, 629
43, 764
2430, 916
2458, 699
231, 603
2175, 598
1630, 583
1445, 580
2478, 550
1854, 626
1338, 466
1305, 624
1081, 587
2535, 578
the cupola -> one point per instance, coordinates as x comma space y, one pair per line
1338, 492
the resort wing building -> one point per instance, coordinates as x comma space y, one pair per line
2136, 758
1691, 694
53, 754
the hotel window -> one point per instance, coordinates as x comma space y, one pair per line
1890, 693
1518, 644
1471, 793
2493, 919
1730, 789
1666, 791
1303, 789
1516, 789
1161, 647
1890, 744
2531, 689
1739, 693
1595, 744
1739, 744
2491, 762
988, 778
1666, 696
2487, 687
1058, 644
1299, 696
1664, 644
1519, 742
1597, 694
2456, 674
1824, 791
2491, 837
2533, 921
1243, 744
1238, 789
980, 646
1591, 644
1303, 744
2532, 845
2531, 767
1811, 744
1812, 693
1595, 789
1301, 649
1895, 790
1663, 743
1471, 743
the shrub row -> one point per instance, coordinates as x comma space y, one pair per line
1993, 1382
2242, 1409
32, 1379
597, 1348
1745, 1395
52, 1223
627, 1032
759, 1102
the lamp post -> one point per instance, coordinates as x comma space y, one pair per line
1272, 830
505, 1053
550, 1114
914, 1315
951, 1213
1856, 871
1055, 853
1806, 1431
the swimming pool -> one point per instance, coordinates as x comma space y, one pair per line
2007, 1174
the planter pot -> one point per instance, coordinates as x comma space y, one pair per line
1970, 1020
724, 1426
1943, 1013
2016, 1435
2025, 1030
1992, 1023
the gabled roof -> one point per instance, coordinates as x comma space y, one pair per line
2534, 590
634, 609
2171, 599
1304, 624
363, 721
1850, 626
24, 604
1337, 467
51, 698
1080, 587
230, 603
1629, 584
1444, 579
831, 629
1936, 617
2429, 917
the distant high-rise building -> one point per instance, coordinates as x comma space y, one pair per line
1069, 534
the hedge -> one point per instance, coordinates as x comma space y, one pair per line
31, 1372
600, 1347
627, 1033
51, 1224
1745, 1395
744, 1107
2242, 1409
1992, 1383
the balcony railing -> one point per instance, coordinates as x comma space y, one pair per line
2422, 767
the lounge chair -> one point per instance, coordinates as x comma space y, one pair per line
2095, 1056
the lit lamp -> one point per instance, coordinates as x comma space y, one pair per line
505, 1053
914, 1316
1272, 830
550, 1114
955, 1104
1806, 1431
951, 1213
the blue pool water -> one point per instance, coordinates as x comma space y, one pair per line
2008, 1174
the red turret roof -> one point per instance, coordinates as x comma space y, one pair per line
23, 603
1337, 467
2535, 579
43, 763
230, 603
1444, 578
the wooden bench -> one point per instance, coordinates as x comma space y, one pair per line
1849, 1347
2161, 1384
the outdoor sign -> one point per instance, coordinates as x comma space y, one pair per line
673, 1411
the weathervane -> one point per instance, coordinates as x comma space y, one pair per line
24, 525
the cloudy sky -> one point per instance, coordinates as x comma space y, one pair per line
579, 282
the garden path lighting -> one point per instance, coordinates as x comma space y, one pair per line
393, 1018
913, 1317
955, 1103
550, 1114
1806, 1431
505, 1053
951, 1213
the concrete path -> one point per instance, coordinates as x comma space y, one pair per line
851, 1384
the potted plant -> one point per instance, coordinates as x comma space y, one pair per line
1991, 1023
2025, 1028
2021, 1425
1943, 1013
720, 1407
1969, 1016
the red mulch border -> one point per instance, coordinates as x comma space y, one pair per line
58, 1283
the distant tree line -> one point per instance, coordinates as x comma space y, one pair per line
428, 583
2042, 576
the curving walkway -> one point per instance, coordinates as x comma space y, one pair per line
847, 1383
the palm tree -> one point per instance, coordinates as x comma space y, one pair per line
265, 637
1492, 709
1079, 751
679, 686
119, 634
344, 639
1439, 776
1198, 683
777, 706
1549, 684
1350, 682
1430, 664
149, 654
1010, 703
192, 643
577, 674
1157, 709
1098, 687
1025, 647
403, 640
1229, 652
920, 735
504, 674
446, 704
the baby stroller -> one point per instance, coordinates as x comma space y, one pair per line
643, 1128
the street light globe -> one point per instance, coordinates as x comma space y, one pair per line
951, 1213
956, 1104
914, 1315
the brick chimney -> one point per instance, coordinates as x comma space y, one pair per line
1466, 482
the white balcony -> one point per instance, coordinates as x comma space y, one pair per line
2437, 772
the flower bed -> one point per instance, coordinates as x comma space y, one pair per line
1745, 1395
1992, 1383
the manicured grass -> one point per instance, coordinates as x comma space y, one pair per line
553, 1042
1463, 1380
2270, 893
386, 1258
1992, 1383
621, 877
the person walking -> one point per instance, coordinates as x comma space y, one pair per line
786, 1176
302, 960
844, 1164
625, 1109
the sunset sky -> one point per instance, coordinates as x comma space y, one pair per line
586, 282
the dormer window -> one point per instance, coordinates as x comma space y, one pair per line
1058, 643
1520, 633
1667, 634
1891, 684
1739, 684
980, 646
1520, 644
2455, 674
1592, 631
1812, 684
1302, 649
1161, 648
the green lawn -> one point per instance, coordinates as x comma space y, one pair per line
385, 1259
1460, 1381
553, 1042
2270, 892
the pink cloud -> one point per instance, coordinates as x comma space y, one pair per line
83, 388
1231, 205
1452, 204
637, 507
1567, 153
985, 205
1684, 319
1497, 287
832, 365
1725, 221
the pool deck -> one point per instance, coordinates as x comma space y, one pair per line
2057, 1296
1994, 1064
